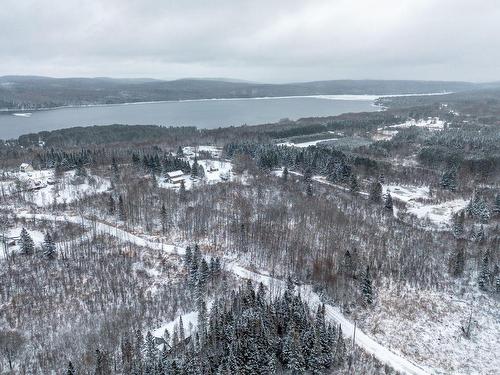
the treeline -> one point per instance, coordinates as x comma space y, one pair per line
26, 92
248, 333
100, 135
329, 162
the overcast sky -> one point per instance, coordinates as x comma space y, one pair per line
259, 40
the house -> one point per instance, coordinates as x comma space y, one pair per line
25, 167
175, 177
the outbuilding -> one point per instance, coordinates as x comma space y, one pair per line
25, 167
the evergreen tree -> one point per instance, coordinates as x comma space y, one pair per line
307, 176
102, 363
484, 273
480, 237
164, 219
381, 178
49, 247
388, 205
449, 180
150, 358
376, 192
194, 168
182, 335
478, 209
354, 186
122, 214
458, 261
188, 257
71, 369
366, 287
195, 265
315, 362
182, 192
309, 190
114, 169
292, 354
340, 349
26, 244
203, 273
127, 356
111, 205
285, 174
81, 171
180, 152
496, 206
139, 342
202, 321
348, 265
458, 224
272, 364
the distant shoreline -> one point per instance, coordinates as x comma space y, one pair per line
346, 97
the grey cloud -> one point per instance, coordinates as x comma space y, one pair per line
256, 40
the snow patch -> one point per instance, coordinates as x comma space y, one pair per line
307, 144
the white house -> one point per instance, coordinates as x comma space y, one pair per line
175, 177
25, 167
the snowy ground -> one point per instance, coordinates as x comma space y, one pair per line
407, 193
432, 123
14, 233
437, 214
384, 134
192, 151
275, 285
216, 170
307, 144
66, 190
415, 327
189, 322
388, 132
425, 326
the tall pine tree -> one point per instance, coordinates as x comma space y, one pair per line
366, 287
49, 247
26, 244
376, 192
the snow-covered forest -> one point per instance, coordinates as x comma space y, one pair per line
357, 244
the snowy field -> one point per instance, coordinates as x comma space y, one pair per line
388, 132
425, 326
407, 193
14, 233
307, 144
190, 151
42, 189
432, 123
437, 214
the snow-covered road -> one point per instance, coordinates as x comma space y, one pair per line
333, 314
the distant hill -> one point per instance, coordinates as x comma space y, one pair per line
32, 92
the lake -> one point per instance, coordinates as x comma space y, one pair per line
200, 113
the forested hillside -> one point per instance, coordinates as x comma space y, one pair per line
24, 92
